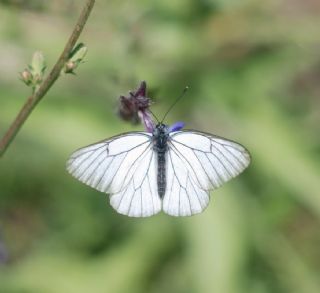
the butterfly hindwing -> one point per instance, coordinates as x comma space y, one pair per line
183, 196
140, 196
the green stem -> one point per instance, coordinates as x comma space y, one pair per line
36, 97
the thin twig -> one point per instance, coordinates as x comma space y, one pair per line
34, 99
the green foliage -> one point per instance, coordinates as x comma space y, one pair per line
253, 72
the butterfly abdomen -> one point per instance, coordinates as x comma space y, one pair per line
161, 173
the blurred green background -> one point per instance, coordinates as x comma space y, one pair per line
254, 72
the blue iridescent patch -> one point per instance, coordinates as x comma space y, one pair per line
176, 126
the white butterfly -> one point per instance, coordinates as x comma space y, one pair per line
167, 170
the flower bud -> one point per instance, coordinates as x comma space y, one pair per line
26, 76
75, 58
70, 66
33, 75
38, 65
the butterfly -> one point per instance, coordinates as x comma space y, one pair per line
168, 169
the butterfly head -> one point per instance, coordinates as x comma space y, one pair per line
160, 136
160, 129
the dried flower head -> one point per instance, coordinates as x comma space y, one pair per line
135, 107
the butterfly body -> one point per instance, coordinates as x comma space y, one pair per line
169, 169
160, 138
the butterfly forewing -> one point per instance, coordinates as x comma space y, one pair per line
140, 197
123, 166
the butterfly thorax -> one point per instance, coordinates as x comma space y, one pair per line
160, 138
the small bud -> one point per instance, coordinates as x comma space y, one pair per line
33, 75
69, 67
38, 65
26, 77
75, 58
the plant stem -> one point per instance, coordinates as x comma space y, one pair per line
37, 96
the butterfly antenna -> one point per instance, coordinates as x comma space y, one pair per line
175, 102
154, 116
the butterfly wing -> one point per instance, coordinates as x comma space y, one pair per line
197, 163
123, 166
